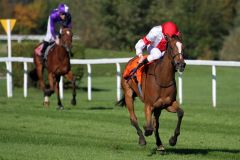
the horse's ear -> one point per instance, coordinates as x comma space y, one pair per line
167, 37
180, 36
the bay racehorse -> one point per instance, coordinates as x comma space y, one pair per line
158, 92
57, 65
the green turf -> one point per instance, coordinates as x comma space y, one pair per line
99, 130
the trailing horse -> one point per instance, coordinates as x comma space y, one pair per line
57, 65
158, 92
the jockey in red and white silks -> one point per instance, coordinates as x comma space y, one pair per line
155, 42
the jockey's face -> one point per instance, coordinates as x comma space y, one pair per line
62, 16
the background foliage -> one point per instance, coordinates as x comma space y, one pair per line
118, 24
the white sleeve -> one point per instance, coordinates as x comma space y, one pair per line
139, 47
151, 36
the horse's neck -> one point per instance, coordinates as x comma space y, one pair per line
164, 70
60, 51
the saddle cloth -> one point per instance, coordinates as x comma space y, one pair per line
38, 49
130, 66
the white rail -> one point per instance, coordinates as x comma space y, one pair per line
20, 38
117, 61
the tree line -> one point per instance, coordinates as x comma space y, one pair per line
118, 24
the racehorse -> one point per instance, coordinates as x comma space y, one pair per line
158, 92
57, 65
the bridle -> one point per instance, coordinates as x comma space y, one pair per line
63, 40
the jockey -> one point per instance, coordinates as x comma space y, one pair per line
60, 15
155, 42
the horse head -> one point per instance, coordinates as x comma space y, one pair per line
66, 39
175, 50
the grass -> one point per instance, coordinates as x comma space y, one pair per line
100, 130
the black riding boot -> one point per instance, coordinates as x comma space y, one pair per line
45, 45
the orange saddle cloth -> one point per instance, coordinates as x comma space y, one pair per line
133, 63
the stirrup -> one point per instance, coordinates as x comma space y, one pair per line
140, 89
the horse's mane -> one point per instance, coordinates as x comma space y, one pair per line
177, 38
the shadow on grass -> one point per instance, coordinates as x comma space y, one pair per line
200, 151
100, 108
185, 151
85, 89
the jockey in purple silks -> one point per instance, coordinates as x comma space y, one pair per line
60, 15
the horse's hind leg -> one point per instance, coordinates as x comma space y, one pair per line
176, 109
72, 79
39, 70
133, 117
49, 91
60, 106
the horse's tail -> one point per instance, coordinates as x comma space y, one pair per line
33, 74
121, 102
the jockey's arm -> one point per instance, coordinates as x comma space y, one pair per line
142, 43
52, 21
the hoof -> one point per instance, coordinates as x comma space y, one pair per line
46, 104
60, 107
161, 150
148, 131
142, 141
172, 141
73, 102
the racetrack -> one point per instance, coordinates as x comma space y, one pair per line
100, 130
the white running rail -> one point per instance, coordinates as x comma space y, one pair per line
117, 61
20, 38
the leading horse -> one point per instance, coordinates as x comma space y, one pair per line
158, 92
57, 65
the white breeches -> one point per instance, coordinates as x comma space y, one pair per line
49, 37
154, 53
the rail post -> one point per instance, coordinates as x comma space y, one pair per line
25, 79
214, 86
180, 90
118, 81
89, 82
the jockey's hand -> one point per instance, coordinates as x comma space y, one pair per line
57, 41
140, 58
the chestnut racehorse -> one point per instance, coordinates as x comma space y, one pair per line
57, 65
158, 92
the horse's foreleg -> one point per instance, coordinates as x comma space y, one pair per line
157, 113
176, 109
60, 106
148, 115
72, 79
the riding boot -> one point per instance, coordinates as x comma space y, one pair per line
45, 45
145, 61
